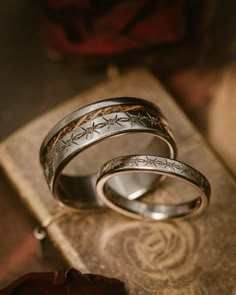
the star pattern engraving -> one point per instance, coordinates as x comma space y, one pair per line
171, 164
85, 132
90, 130
66, 144
156, 162
132, 162
155, 121
113, 122
135, 119
132, 118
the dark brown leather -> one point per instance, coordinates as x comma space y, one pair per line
69, 282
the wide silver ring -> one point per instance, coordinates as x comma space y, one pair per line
95, 134
139, 209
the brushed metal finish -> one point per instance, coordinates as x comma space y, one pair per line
156, 165
116, 125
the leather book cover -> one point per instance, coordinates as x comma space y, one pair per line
193, 256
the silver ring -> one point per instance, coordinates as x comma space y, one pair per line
122, 166
97, 133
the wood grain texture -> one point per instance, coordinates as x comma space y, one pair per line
185, 257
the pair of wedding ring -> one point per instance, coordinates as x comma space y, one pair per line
112, 153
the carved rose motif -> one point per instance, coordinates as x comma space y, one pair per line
193, 289
159, 252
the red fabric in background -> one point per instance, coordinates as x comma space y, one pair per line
108, 27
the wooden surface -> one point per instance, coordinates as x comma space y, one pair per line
198, 255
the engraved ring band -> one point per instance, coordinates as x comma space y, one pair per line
96, 133
139, 209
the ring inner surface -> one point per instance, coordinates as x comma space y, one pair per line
76, 185
167, 201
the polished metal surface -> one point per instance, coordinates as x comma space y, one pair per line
110, 128
122, 166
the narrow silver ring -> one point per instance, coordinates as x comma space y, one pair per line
157, 165
86, 130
